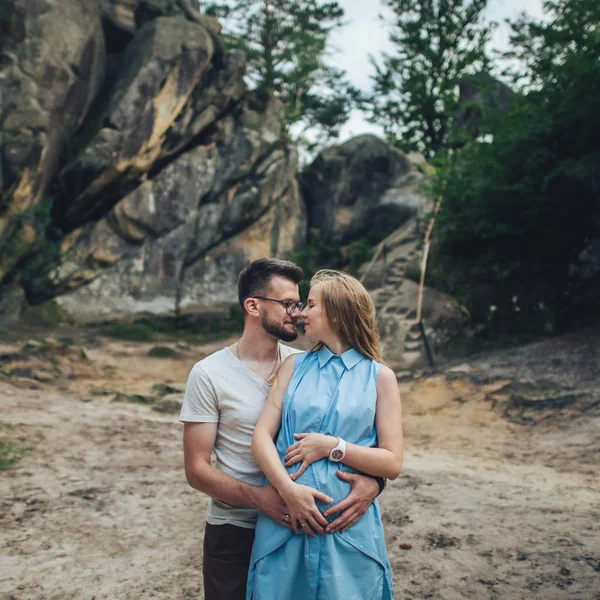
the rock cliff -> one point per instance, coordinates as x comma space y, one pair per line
139, 175
136, 164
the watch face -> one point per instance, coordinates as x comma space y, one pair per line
337, 455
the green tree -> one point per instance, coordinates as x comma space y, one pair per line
518, 211
285, 42
556, 46
437, 42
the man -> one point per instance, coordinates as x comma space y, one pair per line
224, 398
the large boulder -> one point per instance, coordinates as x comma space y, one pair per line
129, 15
480, 96
172, 176
361, 185
52, 55
178, 240
163, 65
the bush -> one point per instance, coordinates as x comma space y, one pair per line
161, 352
135, 332
10, 454
518, 211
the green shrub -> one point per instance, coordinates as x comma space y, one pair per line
162, 352
136, 332
162, 389
10, 453
134, 399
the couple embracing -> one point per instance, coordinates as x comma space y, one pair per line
324, 427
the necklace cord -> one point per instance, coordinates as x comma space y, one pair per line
277, 357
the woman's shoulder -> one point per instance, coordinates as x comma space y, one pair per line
385, 376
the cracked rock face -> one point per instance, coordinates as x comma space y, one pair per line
178, 240
52, 55
360, 185
164, 176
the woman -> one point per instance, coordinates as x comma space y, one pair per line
334, 408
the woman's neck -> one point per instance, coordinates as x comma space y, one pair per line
336, 345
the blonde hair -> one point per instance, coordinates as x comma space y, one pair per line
350, 312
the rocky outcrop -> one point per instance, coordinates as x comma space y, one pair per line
178, 240
164, 174
479, 97
145, 119
361, 185
52, 56
396, 300
122, 18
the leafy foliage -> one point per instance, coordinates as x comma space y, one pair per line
415, 89
10, 453
285, 43
39, 259
200, 328
518, 211
321, 253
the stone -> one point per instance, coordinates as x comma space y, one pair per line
129, 15
179, 239
478, 95
53, 57
12, 303
361, 185
164, 64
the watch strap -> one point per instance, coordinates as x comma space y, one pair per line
337, 454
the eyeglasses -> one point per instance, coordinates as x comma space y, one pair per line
290, 305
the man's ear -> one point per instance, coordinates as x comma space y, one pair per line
251, 306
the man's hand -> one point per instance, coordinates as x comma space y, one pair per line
268, 500
355, 505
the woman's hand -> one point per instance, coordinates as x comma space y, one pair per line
304, 514
310, 448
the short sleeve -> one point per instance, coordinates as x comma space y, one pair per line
200, 401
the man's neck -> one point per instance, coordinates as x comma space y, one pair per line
257, 345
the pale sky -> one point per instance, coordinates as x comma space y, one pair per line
366, 34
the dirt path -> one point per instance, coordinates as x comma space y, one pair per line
485, 508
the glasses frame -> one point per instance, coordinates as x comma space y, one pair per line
289, 305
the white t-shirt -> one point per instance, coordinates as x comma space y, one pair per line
221, 389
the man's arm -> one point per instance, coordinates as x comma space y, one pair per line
198, 442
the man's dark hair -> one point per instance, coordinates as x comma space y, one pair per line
254, 279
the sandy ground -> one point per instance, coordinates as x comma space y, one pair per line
499, 497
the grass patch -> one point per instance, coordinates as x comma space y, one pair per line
162, 389
135, 332
10, 453
168, 407
197, 328
162, 352
134, 399
102, 392
49, 315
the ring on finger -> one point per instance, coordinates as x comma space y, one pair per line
303, 523
286, 518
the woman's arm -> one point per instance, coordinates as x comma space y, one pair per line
383, 461
298, 498
267, 427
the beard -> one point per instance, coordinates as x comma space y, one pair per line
279, 330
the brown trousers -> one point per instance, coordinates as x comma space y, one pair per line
227, 551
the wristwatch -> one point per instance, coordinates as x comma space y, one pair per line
339, 451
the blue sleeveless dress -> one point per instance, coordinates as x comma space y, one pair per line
334, 395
